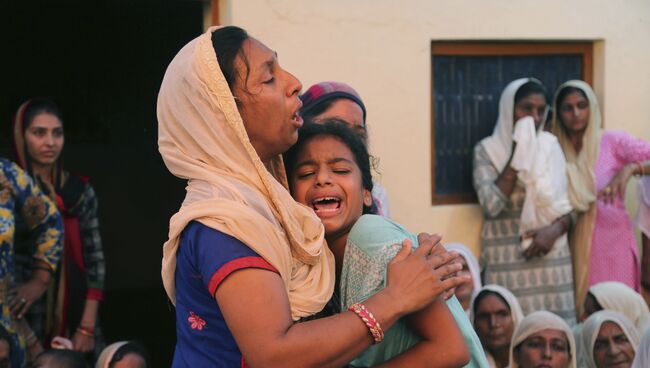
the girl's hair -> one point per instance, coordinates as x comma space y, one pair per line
131, 347
531, 87
479, 298
339, 129
62, 358
320, 108
227, 43
34, 108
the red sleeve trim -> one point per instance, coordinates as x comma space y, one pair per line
95, 294
237, 264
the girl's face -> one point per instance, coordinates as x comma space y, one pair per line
44, 139
574, 112
546, 348
493, 323
612, 348
533, 105
327, 179
269, 102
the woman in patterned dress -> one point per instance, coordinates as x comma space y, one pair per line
599, 166
20, 198
38, 143
539, 275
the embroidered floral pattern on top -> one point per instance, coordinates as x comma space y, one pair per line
196, 322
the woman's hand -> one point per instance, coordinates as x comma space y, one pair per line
83, 343
416, 279
616, 186
543, 240
25, 295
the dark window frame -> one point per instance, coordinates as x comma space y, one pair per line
497, 48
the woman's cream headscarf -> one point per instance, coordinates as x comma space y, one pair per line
591, 329
616, 296
539, 321
642, 357
582, 185
108, 353
516, 312
202, 138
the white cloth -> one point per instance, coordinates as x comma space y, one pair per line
616, 296
642, 357
539, 321
642, 218
541, 166
472, 265
380, 197
591, 329
515, 309
107, 354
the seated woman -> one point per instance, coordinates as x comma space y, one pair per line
329, 171
244, 262
616, 296
466, 291
609, 339
543, 339
495, 313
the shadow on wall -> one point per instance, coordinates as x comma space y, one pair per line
102, 62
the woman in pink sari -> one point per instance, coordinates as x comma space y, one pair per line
599, 166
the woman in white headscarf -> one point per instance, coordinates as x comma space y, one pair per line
466, 291
244, 261
519, 177
543, 339
608, 339
495, 313
616, 296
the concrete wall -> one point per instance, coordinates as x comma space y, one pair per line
382, 48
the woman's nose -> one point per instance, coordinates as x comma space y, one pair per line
293, 85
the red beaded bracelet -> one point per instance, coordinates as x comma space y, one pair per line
370, 321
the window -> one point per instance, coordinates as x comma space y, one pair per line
467, 81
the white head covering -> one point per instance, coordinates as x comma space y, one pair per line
616, 296
539, 321
202, 138
472, 264
591, 329
511, 301
642, 357
499, 145
107, 354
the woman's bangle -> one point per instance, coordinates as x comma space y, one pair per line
370, 321
85, 332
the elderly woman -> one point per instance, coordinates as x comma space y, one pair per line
520, 180
244, 261
609, 339
599, 165
543, 339
495, 314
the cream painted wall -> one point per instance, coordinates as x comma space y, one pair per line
382, 48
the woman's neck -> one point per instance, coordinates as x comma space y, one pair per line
576, 140
501, 356
43, 171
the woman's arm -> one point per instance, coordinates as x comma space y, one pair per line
442, 342
486, 179
545, 237
255, 306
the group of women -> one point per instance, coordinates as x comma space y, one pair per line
269, 258
52, 257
